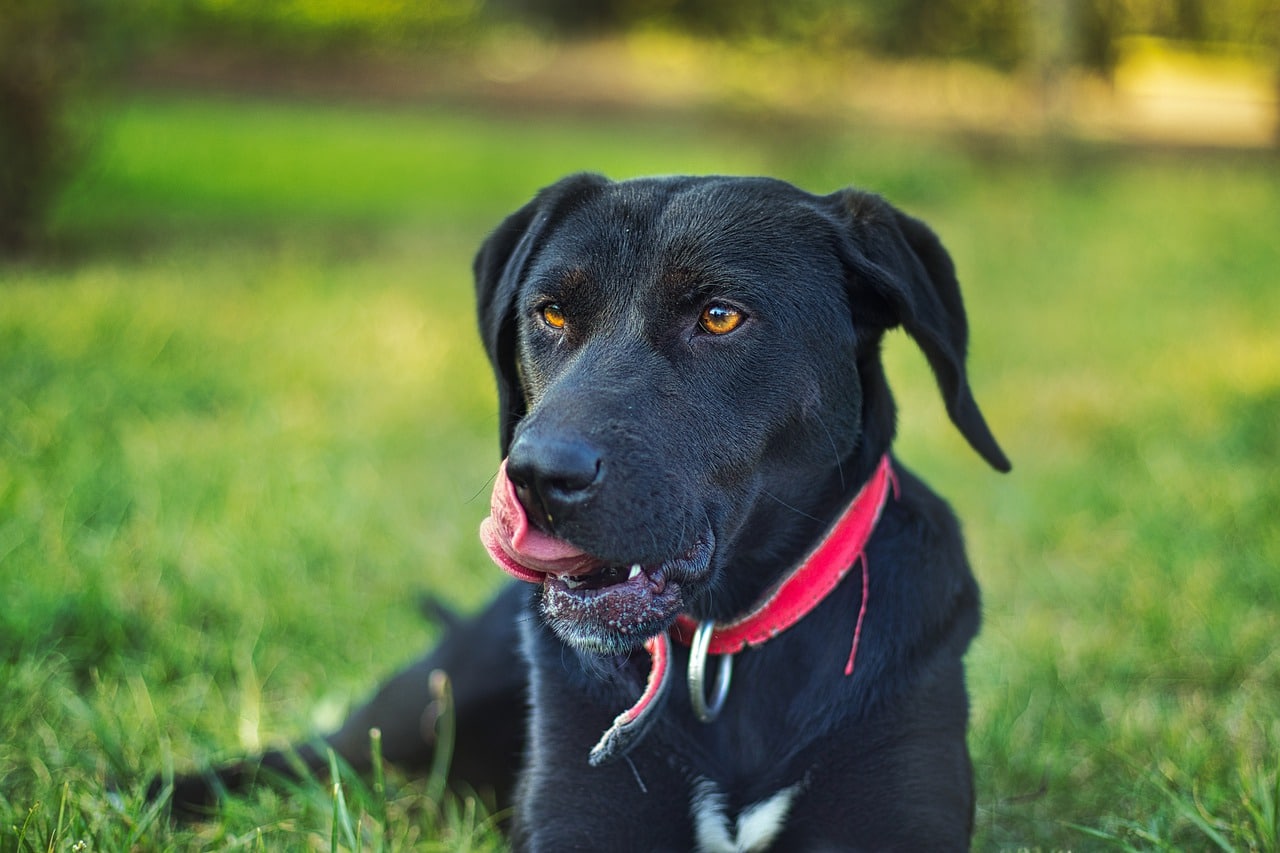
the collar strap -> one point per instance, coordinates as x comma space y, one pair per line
812, 581
793, 598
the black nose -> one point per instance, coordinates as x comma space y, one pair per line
552, 475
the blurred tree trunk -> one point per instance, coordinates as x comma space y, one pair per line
52, 52
39, 59
31, 160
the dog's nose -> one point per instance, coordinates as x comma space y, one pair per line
552, 475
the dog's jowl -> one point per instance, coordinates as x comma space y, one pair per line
738, 621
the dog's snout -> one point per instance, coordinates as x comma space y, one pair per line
553, 475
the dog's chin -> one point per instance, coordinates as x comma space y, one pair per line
610, 623
614, 610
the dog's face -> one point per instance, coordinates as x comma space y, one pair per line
690, 383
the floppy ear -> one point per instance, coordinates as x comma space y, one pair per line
913, 283
499, 268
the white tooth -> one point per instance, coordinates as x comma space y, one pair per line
571, 582
635, 572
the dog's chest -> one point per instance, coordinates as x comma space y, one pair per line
751, 830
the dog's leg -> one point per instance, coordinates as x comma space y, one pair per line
488, 680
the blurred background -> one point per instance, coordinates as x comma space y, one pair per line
1187, 72
245, 419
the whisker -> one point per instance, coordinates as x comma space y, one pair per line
835, 451
783, 503
488, 484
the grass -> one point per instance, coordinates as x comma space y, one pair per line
244, 419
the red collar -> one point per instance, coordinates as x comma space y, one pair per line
811, 582
793, 598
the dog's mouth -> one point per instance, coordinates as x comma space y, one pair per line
598, 605
609, 576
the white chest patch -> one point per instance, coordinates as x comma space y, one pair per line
754, 830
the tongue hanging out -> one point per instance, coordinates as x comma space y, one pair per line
521, 549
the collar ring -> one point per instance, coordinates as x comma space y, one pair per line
706, 709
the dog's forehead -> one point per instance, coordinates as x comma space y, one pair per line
685, 233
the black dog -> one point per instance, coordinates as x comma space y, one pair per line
697, 488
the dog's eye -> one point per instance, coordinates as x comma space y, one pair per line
553, 315
718, 319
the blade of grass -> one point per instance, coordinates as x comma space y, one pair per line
1194, 813
442, 698
26, 824
379, 786
341, 815
333, 825
147, 820
62, 810
1262, 804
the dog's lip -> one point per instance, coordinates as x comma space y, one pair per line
521, 549
530, 555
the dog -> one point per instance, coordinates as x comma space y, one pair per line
737, 621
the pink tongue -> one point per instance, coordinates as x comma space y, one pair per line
521, 549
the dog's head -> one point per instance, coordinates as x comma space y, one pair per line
690, 386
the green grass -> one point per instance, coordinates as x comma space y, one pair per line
244, 418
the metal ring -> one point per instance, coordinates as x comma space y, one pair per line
702, 709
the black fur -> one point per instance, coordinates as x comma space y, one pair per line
639, 437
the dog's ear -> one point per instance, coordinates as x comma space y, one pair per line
499, 268
902, 275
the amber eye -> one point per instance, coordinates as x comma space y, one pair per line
717, 319
553, 315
